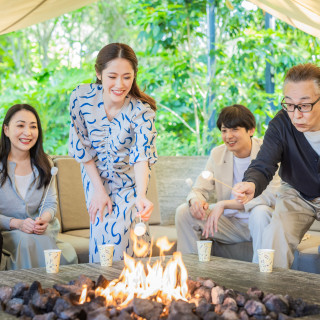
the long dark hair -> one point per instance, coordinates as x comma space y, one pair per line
120, 50
37, 155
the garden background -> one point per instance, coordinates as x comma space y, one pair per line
42, 64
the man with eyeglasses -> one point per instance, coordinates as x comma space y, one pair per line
293, 140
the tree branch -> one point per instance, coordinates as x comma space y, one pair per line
179, 117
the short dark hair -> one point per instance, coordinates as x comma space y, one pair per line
304, 72
235, 116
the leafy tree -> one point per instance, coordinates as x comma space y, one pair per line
42, 64
174, 35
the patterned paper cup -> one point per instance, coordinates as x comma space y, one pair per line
204, 250
106, 254
52, 258
266, 259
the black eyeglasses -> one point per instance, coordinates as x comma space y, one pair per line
302, 107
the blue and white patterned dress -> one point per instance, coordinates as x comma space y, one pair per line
115, 147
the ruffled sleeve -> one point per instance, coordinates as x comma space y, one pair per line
80, 147
144, 148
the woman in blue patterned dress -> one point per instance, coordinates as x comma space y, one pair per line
112, 135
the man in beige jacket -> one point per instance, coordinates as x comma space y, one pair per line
226, 220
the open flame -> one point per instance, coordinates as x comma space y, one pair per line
83, 296
158, 282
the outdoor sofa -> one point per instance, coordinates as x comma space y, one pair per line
167, 190
74, 218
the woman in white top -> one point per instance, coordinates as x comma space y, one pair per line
25, 173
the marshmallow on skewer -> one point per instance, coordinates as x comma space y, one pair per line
207, 175
54, 171
140, 229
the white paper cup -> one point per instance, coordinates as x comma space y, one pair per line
204, 250
266, 259
106, 254
52, 258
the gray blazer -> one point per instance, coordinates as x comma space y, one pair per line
13, 206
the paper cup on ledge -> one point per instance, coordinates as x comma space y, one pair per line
204, 250
266, 259
106, 254
52, 258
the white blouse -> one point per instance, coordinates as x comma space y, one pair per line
23, 183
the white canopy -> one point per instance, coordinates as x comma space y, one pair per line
18, 14
302, 14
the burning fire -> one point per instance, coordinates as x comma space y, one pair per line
158, 282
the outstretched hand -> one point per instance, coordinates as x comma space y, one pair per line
99, 202
144, 207
244, 191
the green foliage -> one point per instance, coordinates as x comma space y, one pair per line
174, 35
42, 64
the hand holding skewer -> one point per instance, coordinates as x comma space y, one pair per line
243, 191
145, 208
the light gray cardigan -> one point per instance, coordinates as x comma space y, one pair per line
13, 206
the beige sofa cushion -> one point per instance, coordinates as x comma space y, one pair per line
81, 245
83, 233
315, 226
72, 202
72, 205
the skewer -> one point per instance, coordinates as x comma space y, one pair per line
223, 183
54, 171
209, 176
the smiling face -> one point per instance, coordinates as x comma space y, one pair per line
303, 92
117, 81
22, 131
237, 140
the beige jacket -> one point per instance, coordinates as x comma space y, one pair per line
220, 163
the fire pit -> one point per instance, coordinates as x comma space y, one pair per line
133, 295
